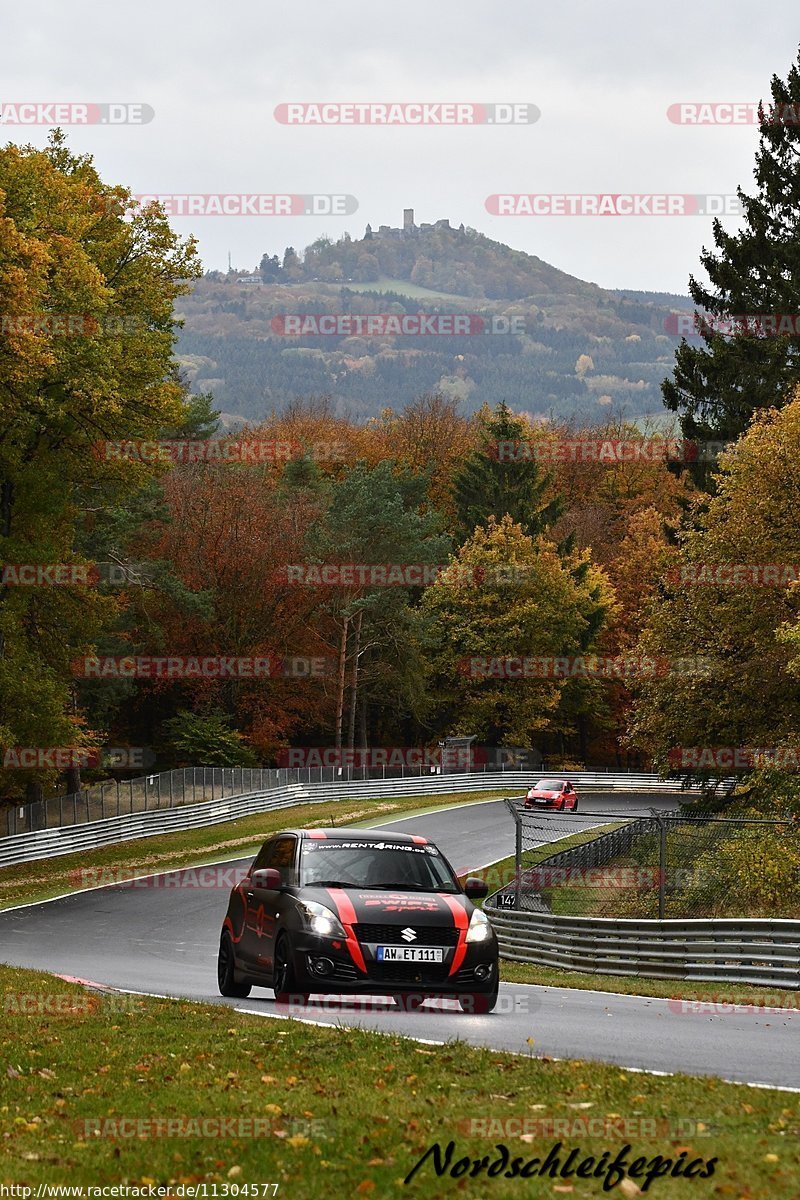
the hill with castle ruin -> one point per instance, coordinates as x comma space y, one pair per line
544, 341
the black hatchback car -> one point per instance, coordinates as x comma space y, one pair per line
353, 911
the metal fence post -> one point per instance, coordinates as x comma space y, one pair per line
518, 862
662, 868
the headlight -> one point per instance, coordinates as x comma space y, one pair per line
479, 928
322, 920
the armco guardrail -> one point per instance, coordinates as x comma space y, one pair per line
762, 952
50, 843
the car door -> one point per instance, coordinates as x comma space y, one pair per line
266, 904
250, 945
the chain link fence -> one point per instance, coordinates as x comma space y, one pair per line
667, 865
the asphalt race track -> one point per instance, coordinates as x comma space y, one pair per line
163, 940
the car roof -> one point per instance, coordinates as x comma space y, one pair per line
349, 835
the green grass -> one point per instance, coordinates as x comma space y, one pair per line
413, 290
45, 878
342, 1112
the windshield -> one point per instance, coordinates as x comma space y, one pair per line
400, 866
549, 785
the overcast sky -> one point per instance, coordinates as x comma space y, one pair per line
602, 74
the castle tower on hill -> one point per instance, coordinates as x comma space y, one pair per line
408, 229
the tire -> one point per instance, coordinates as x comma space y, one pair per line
284, 982
478, 1003
575, 805
408, 1002
226, 971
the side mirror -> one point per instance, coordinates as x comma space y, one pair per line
475, 888
267, 878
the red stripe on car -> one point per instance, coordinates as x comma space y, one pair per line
462, 924
420, 841
317, 835
347, 915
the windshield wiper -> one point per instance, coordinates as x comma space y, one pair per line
336, 883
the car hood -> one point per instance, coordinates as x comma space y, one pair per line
357, 906
535, 793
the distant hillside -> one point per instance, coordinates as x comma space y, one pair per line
560, 346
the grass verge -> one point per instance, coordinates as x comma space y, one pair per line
89, 1087
45, 878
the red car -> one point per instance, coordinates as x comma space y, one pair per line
552, 793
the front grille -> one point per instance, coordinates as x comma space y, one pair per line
409, 974
389, 935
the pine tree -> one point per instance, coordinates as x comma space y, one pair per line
492, 483
718, 386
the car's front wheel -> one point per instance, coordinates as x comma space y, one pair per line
284, 980
226, 971
478, 1002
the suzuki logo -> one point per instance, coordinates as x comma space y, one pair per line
408, 935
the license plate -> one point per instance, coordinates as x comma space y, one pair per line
411, 954
540, 800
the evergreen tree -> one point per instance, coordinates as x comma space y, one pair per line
496, 481
717, 386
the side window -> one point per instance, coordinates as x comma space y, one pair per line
282, 859
264, 856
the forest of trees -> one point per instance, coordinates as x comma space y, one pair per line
566, 354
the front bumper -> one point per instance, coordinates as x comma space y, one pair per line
477, 972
